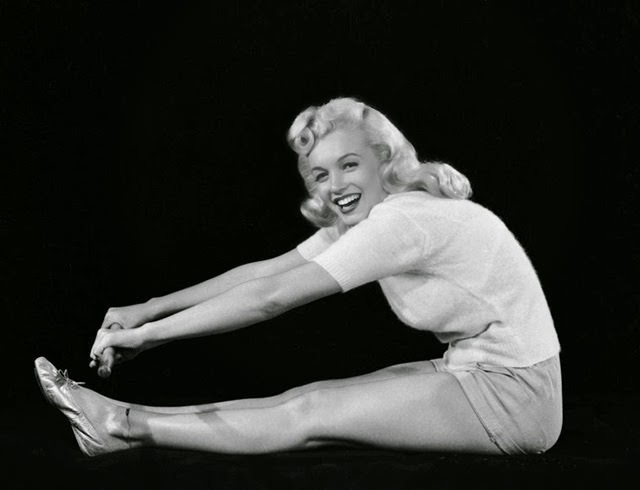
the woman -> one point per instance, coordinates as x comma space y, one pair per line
445, 264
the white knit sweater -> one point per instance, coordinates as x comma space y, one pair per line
448, 266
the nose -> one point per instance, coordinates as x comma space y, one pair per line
337, 183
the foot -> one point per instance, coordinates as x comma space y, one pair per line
98, 425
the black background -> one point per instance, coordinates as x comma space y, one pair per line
144, 150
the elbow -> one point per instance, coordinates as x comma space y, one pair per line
272, 302
282, 292
273, 308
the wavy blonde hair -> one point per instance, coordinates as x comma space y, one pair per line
400, 167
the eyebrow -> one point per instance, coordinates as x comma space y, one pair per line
337, 160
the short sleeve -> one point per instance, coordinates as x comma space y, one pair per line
385, 244
318, 242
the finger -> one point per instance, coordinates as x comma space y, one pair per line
98, 345
108, 356
104, 371
106, 338
107, 322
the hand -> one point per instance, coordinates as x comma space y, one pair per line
128, 316
107, 359
114, 345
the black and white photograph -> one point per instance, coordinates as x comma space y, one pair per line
342, 244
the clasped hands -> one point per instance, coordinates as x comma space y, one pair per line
118, 340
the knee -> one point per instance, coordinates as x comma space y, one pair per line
298, 391
309, 411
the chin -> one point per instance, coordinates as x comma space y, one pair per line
352, 220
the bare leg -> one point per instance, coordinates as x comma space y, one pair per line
382, 374
419, 411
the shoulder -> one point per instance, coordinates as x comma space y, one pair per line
421, 205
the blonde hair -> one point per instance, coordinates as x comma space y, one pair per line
400, 167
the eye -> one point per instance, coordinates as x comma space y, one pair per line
320, 177
350, 165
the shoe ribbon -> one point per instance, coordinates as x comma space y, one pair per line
65, 377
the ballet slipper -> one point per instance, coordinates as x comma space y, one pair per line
92, 431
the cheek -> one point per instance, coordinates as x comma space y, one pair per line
324, 191
374, 183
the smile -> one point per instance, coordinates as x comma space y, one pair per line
347, 203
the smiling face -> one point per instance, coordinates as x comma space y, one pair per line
346, 172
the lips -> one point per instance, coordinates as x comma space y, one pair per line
348, 202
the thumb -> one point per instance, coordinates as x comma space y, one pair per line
107, 361
108, 355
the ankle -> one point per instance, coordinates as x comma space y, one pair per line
119, 424
132, 427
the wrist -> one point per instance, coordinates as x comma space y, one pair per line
153, 308
143, 337
147, 336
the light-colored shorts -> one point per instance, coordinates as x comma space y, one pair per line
520, 407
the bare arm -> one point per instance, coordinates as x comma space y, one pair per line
188, 297
247, 303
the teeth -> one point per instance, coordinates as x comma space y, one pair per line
348, 200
